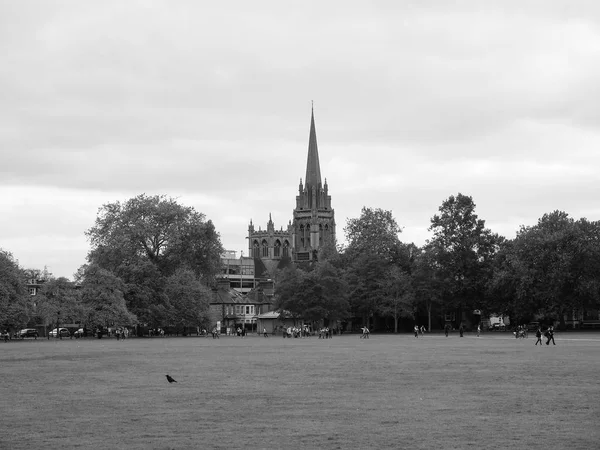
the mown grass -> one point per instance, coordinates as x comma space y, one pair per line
492, 392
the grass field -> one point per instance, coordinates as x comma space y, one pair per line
492, 392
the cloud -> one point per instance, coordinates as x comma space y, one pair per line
414, 101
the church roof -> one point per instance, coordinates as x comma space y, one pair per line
313, 169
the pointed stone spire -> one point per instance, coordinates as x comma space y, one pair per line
313, 169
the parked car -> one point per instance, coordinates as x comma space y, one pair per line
533, 326
28, 332
497, 327
63, 333
82, 333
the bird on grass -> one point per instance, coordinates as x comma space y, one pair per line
170, 379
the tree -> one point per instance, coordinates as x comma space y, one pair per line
288, 287
60, 299
156, 229
145, 241
399, 299
334, 290
463, 249
375, 232
15, 309
188, 297
373, 249
366, 276
313, 296
550, 268
102, 296
428, 287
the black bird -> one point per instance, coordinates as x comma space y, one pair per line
170, 379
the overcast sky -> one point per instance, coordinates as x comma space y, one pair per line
209, 102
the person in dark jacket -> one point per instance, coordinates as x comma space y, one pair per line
550, 335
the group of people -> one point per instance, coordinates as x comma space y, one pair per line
241, 332
298, 332
325, 333
121, 333
548, 334
419, 330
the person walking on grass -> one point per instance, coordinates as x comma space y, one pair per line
422, 330
265, 334
550, 335
416, 331
538, 335
446, 329
365, 333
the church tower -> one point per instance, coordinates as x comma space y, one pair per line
313, 223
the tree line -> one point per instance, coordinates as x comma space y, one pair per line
548, 270
153, 261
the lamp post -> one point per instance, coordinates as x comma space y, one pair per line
57, 325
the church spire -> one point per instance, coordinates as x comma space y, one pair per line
313, 169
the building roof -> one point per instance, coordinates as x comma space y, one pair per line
269, 315
225, 295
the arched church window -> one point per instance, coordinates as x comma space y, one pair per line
286, 248
255, 250
277, 249
265, 249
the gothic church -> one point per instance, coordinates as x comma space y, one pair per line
313, 221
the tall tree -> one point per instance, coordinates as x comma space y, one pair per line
550, 268
15, 309
375, 232
60, 298
464, 249
399, 299
189, 299
102, 296
373, 249
312, 296
159, 230
428, 287
146, 240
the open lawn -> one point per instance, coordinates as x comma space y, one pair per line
492, 392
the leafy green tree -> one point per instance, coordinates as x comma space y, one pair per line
15, 307
399, 299
373, 249
334, 290
156, 229
464, 250
288, 288
312, 296
144, 242
374, 232
60, 299
102, 296
189, 298
366, 277
550, 268
428, 287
